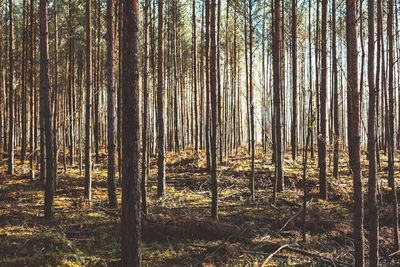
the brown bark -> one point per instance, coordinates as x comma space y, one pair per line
23, 83
88, 169
112, 198
145, 107
130, 221
322, 138
372, 179
390, 127
214, 124
294, 80
353, 105
160, 104
335, 95
278, 186
46, 109
11, 91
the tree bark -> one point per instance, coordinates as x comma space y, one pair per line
278, 185
145, 107
353, 105
372, 203
130, 221
46, 109
11, 92
88, 169
112, 198
322, 138
294, 80
335, 95
390, 127
160, 104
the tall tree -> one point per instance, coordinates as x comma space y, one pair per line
23, 84
322, 137
11, 91
372, 203
353, 104
145, 106
55, 84
390, 126
130, 221
294, 80
194, 44
112, 198
46, 109
335, 95
88, 169
214, 124
276, 41
251, 104
160, 104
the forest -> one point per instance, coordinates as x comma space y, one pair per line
199, 133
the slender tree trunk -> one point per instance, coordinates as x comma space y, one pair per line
11, 91
214, 125
310, 78
372, 203
322, 138
354, 129
130, 221
335, 95
390, 128
98, 90
88, 169
55, 86
207, 72
46, 109
252, 145
160, 103
196, 131
294, 80
23, 83
31, 84
377, 83
112, 198
145, 107
278, 186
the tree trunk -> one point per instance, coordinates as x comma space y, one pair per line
214, 125
372, 203
112, 198
278, 186
294, 80
160, 104
354, 129
322, 137
88, 169
335, 95
390, 127
11, 92
196, 124
130, 221
145, 107
23, 83
46, 109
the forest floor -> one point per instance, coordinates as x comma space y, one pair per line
178, 230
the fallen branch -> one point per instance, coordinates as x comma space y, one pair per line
310, 254
272, 254
391, 255
291, 218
